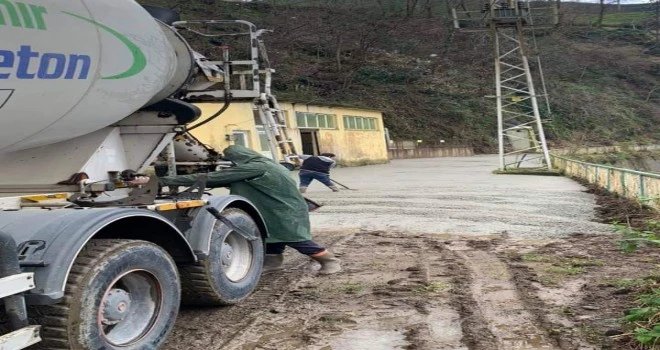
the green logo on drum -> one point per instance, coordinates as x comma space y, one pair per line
20, 15
139, 59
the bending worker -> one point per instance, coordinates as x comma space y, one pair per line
270, 188
316, 168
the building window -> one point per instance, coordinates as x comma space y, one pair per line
240, 138
360, 123
264, 145
285, 116
315, 120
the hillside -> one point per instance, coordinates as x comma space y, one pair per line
431, 82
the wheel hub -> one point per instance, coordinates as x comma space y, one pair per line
227, 254
236, 256
116, 306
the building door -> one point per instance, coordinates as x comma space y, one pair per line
310, 142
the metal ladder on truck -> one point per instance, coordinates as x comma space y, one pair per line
13, 282
236, 79
273, 119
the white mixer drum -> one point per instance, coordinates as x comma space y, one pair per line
71, 67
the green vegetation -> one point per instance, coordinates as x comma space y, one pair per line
583, 262
557, 267
633, 239
534, 257
352, 288
432, 287
566, 270
431, 81
644, 320
625, 283
617, 19
591, 334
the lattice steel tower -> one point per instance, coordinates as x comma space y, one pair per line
521, 139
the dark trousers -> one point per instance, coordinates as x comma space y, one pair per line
304, 247
306, 178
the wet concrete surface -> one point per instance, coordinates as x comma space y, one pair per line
455, 196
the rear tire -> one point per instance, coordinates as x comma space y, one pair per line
121, 294
233, 268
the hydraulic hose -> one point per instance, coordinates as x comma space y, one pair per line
217, 114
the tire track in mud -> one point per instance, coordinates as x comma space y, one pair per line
397, 292
476, 334
401, 301
392, 294
210, 327
214, 327
541, 299
495, 315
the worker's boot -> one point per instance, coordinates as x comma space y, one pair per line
273, 262
303, 189
329, 262
334, 188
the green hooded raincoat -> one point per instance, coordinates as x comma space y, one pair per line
267, 185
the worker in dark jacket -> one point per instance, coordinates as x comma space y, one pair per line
272, 190
316, 168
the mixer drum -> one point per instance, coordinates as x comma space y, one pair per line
71, 67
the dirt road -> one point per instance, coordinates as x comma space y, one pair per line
438, 254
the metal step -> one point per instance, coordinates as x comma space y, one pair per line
20, 339
16, 284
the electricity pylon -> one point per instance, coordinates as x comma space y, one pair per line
521, 139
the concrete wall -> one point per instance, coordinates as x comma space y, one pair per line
605, 149
431, 152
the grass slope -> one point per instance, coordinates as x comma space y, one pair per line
431, 82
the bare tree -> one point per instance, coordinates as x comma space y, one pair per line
338, 51
601, 13
656, 7
410, 7
428, 8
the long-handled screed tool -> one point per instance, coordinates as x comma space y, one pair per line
342, 185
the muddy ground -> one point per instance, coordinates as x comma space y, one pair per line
434, 287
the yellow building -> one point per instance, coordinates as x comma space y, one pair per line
355, 135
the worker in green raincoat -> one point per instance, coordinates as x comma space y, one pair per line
271, 189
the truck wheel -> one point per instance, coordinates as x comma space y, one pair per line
233, 268
121, 294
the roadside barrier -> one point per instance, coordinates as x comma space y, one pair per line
641, 186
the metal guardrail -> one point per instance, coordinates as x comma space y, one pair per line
641, 186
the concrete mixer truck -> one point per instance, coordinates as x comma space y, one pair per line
92, 256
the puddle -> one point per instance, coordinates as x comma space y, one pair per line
370, 339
